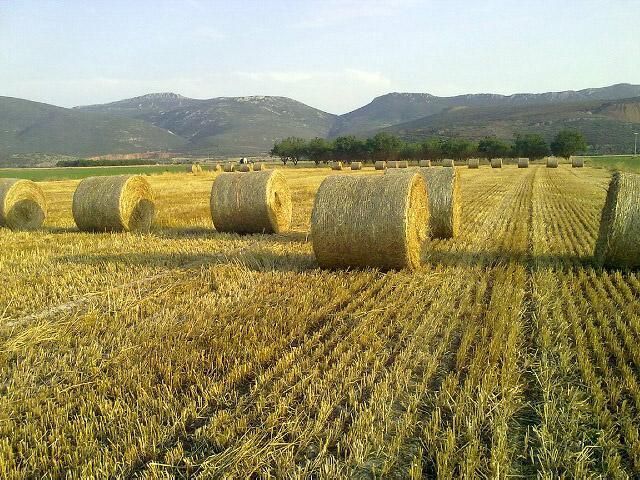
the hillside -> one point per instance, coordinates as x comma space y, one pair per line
31, 127
608, 126
396, 108
142, 106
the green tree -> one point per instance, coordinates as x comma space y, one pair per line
319, 150
290, 148
410, 151
492, 147
567, 143
384, 146
349, 148
458, 148
431, 149
530, 145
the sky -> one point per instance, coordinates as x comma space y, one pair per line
330, 54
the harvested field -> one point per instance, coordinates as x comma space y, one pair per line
185, 352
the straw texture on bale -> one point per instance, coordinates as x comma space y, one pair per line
245, 167
552, 162
254, 202
22, 204
618, 242
443, 188
194, 168
473, 163
398, 164
523, 163
375, 221
217, 168
577, 162
424, 163
496, 163
258, 167
229, 167
448, 162
380, 165
356, 165
336, 166
116, 203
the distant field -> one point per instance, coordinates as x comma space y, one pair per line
627, 163
74, 173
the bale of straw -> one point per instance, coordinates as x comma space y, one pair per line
375, 221
448, 162
116, 203
217, 168
496, 163
245, 167
403, 164
577, 162
443, 188
356, 165
523, 163
617, 245
22, 204
259, 166
473, 163
424, 163
254, 202
393, 164
552, 162
381, 165
336, 166
229, 167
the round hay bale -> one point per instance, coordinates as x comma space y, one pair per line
393, 164
356, 165
245, 167
448, 162
496, 163
473, 163
254, 202
577, 162
617, 245
381, 165
336, 166
403, 164
22, 204
229, 167
552, 162
217, 168
443, 188
424, 163
523, 163
258, 167
375, 221
116, 203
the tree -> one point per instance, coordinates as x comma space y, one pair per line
410, 151
567, 143
531, 145
431, 149
319, 150
291, 148
492, 147
384, 146
458, 148
349, 148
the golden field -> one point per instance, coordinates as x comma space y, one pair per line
189, 353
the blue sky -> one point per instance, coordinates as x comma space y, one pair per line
333, 55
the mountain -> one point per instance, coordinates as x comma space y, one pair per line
395, 108
31, 127
225, 125
608, 126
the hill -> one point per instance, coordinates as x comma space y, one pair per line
608, 126
395, 108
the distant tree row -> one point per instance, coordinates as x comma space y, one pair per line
105, 163
384, 146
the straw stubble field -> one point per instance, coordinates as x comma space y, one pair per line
185, 352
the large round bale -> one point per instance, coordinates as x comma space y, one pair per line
577, 162
496, 163
523, 163
552, 162
336, 166
22, 204
229, 167
403, 164
356, 165
473, 163
448, 162
259, 166
381, 165
245, 167
443, 188
254, 202
424, 163
194, 168
116, 203
217, 168
375, 221
617, 245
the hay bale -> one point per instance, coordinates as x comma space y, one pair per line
336, 166
617, 245
577, 162
443, 188
116, 203
217, 168
254, 202
245, 167
496, 163
22, 204
370, 221
424, 163
552, 162
523, 163
473, 163
448, 162
259, 166
381, 165
356, 165
403, 164
229, 167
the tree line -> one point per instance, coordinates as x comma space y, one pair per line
385, 146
